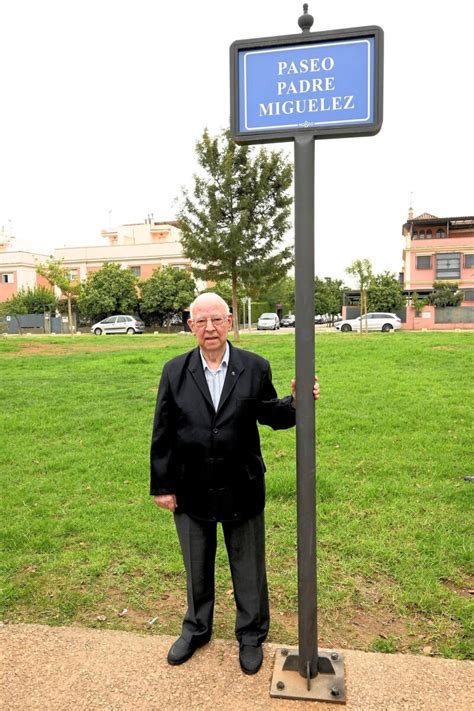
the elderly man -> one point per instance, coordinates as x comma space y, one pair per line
207, 467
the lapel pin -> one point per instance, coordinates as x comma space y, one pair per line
233, 372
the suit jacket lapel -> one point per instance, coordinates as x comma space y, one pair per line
197, 372
234, 369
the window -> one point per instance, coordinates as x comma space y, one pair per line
135, 271
72, 275
111, 319
121, 319
469, 260
423, 262
440, 234
429, 234
7, 279
468, 294
415, 235
421, 234
448, 266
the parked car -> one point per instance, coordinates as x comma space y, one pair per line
268, 322
375, 322
288, 320
118, 324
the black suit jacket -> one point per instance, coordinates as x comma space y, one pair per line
212, 460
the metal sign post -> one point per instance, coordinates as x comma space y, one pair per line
300, 88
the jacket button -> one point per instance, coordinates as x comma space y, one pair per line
215, 430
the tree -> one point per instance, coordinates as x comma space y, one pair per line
13, 307
385, 293
238, 214
282, 292
110, 290
57, 275
224, 290
167, 292
445, 293
32, 301
328, 296
418, 302
362, 270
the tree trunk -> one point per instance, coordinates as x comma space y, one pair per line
235, 310
18, 324
69, 316
366, 327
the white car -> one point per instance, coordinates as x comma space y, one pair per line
268, 322
376, 321
118, 324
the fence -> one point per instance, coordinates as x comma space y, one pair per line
36, 323
454, 314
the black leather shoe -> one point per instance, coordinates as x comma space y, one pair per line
181, 651
250, 658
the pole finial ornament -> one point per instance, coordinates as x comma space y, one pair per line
305, 21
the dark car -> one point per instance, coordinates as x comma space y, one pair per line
288, 320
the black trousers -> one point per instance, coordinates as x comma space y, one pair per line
245, 544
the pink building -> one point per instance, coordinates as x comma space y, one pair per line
141, 247
18, 268
439, 249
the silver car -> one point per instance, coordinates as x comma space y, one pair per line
118, 324
376, 321
268, 322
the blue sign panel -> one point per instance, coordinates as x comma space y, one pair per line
324, 83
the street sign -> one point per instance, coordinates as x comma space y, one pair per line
325, 84
300, 88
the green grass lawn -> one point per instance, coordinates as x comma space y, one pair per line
84, 544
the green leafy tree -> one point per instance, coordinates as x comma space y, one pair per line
328, 295
234, 222
385, 293
166, 293
224, 289
33, 301
14, 308
58, 275
282, 292
418, 302
361, 269
445, 293
110, 290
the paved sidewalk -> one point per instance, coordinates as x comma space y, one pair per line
66, 668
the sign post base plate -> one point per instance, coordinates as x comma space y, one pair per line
328, 685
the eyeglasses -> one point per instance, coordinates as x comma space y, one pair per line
216, 321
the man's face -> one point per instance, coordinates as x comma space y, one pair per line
210, 324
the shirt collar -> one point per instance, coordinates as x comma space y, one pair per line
224, 362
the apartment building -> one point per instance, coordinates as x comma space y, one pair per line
17, 268
141, 247
438, 249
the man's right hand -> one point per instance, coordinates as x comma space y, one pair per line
167, 501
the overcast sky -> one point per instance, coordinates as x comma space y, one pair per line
102, 102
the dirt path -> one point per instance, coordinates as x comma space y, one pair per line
66, 668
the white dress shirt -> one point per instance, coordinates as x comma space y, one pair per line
215, 378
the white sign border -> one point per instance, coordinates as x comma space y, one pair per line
307, 124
